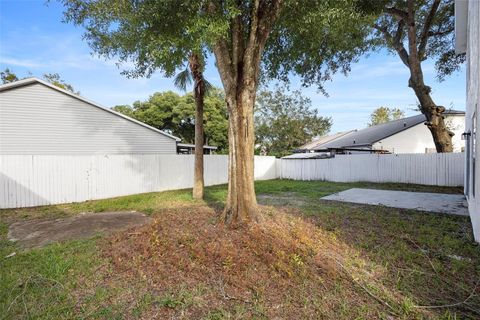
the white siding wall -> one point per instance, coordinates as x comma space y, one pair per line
417, 138
441, 169
473, 105
36, 119
34, 180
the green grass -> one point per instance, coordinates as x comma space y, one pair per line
37, 283
430, 258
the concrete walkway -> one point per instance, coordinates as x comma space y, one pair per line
423, 201
38, 233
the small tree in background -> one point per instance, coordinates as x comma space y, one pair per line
173, 113
385, 114
8, 76
284, 122
56, 80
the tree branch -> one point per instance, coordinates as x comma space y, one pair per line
396, 40
264, 14
426, 29
400, 14
440, 33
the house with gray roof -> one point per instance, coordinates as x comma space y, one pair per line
407, 135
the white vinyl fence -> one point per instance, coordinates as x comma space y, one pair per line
34, 180
439, 169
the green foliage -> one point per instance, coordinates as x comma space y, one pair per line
175, 114
56, 80
284, 122
124, 109
385, 114
313, 39
154, 35
7, 76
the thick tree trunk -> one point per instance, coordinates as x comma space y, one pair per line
241, 203
238, 60
442, 136
199, 93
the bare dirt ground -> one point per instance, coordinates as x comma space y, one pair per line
40, 232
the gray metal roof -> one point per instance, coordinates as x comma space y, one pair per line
322, 140
190, 145
308, 155
368, 136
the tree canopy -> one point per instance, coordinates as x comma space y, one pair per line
385, 114
175, 114
8, 76
272, 38
284, 122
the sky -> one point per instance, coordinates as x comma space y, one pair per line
34, 40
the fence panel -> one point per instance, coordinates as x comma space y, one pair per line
439, 169
34, 180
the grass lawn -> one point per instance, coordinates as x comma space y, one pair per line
306, 259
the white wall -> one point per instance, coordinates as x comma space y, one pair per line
37, 119
473, 109
418, 138
440, 169
33, 180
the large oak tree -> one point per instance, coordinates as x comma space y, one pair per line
417, 30
248, 38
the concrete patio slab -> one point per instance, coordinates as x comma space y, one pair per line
423, 201
38, 233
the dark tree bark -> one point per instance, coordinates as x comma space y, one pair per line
413, 58
238, 59
196, 68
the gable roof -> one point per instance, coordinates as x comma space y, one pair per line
322, 140
368, 136
30, 81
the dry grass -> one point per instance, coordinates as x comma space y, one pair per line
310, 260
283, 268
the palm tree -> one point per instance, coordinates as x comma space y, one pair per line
194, 70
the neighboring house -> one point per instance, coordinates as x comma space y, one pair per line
467, 40
188, 148
311, 146
407, 135
38, 118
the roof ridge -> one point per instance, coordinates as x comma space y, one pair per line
28, 81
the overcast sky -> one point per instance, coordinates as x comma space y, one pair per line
33, 39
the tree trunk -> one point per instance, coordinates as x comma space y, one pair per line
442, 136
238, 61
198, 93
241, 205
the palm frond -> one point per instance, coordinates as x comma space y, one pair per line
208, 86
183, 79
